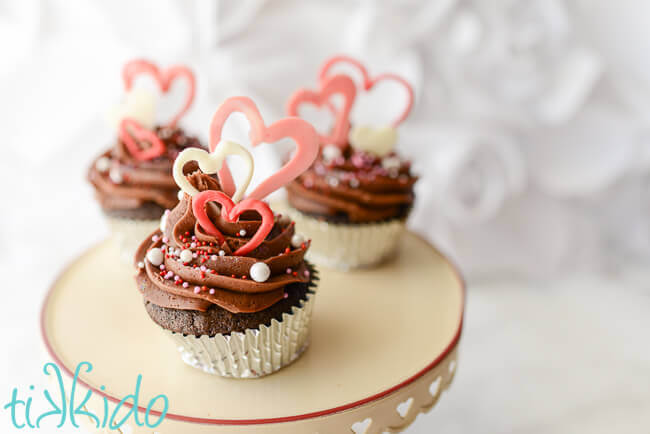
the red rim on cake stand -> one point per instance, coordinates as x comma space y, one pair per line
383, 348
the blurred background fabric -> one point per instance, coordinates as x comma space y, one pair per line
530, 130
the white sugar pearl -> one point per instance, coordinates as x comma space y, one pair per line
186, 255
116, 175
260, 272
180, 194
155, 256
103, 164
222, 253
242, 232
140, 264
297, 240
331, 152
163, 222
391, 163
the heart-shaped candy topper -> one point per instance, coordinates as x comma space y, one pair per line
164, 78
330, 86
231, 212
211, 162
131, 130
369, 82
299, 130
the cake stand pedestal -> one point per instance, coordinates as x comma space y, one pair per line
383, 348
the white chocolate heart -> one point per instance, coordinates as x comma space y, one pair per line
138, 104
376, 141
211, 162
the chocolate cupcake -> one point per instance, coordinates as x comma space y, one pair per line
225, 278
133, 179
355, 199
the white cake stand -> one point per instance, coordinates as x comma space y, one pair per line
383, 348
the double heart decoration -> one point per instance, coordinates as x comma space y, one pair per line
300, 131
379, 141
130, 128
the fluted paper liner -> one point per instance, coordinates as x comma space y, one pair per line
130, 233
253, 353
346, 246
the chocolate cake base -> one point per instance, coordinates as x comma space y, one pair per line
218, 320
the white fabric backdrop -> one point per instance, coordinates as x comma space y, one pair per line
530, 133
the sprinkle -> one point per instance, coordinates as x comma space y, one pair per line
103, 164
162, 266
308, 182
297, 240
155, 257
244, 277
195, 255
289, 270
203, 268
306, 273
193, 245
222, 253
211, 291
214, 257
169, 275
165, 240
185, 284
287, 250
354, 182
176, 278
186, 256
180, 194
155, 238
332, 181
285, 295
242, 232
197, 289
259, 272
116, 175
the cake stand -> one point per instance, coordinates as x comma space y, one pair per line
383, 348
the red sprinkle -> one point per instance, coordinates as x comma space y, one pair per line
287, 250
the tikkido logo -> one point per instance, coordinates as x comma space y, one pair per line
68, 408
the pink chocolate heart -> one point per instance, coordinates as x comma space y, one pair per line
164, 78
299, 130
330, 86
369, 82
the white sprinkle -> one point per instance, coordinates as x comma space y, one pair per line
186, 256
165, 240
242, 232
155, 257
203, 268
211, 291
331, 152
195, 255
116, 175
332, 181
297, 240
155, 238
214, 257
185, 284
140, 264
222, 253
103, 164
180, 195
260, 272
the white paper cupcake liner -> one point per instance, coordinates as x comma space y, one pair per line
253, 353
130, 233
346, 246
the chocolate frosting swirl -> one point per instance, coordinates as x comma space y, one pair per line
123, 183
354, 187
215, 276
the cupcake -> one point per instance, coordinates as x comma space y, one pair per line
354, 200
133, 179
226, 278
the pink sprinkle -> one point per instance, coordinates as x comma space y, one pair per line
167, 211
289, 270
162, 266
195, 255
286, 295
155, 238
176, 278
197, 289
169, 275
193, 245
185, 284
165, 240
193, 237
211, 290
203, 268
306, 273
308, 183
